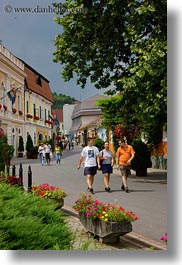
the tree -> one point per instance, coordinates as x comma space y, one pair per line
21, 144
121, 45
29, 143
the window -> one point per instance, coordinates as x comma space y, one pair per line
40, 111
38, 80
19, 105
34, 110
27, 107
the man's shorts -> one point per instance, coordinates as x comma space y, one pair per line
125, 170
90, 171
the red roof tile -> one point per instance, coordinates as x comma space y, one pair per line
43, 89
59, 113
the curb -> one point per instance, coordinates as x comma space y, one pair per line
132, 237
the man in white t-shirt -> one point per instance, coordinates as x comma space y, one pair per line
90, 156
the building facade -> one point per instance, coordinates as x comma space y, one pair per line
25, 101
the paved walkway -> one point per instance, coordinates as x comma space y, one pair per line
147, 197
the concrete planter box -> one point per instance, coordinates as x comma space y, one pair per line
59, 202
108, 232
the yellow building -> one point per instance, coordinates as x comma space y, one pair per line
25, 101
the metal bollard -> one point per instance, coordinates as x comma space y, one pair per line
21, 174
29, 179
13, 170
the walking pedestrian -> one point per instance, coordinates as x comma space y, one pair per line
58, 153
47, 153
41, 151
107, 162
90, 157
124, 155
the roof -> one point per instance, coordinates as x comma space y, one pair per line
43, 89
90, 103
59, 113
88, 107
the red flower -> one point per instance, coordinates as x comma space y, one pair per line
20, 112
29, 116
14, 110
36, 118
5, 107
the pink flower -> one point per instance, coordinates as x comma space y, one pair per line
164, 238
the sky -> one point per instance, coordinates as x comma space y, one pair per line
30, 36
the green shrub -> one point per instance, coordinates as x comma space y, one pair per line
30, 223
99, 143
21, 144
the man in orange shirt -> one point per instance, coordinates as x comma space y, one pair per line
125, 153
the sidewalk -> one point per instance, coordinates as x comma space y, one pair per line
148, 196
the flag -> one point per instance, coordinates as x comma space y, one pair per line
56, 121
12, 95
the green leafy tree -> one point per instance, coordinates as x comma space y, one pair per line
60, 100
120, 45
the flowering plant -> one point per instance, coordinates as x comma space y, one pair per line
5, 107
12, 180
14, 110
164, 238
94, 209
20, 112
36, 117
48, 191
29, 115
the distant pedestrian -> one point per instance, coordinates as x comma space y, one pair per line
69, 145
58, 153
107, 163
124, 155
48, 150
90, 157
41, 151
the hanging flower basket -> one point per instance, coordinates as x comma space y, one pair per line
20, 112
5, 107
30, 116
36, 118
14, 110
48, 121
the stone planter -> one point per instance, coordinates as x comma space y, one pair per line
59, 202
107, 232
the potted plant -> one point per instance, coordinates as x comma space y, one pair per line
142, 159
53, 193
14, 110
20, 147
29, 145
33, 153
106, 221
